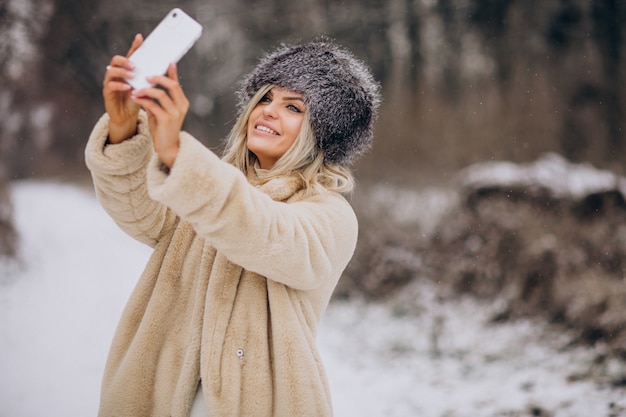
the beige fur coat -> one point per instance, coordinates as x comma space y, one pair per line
233, 292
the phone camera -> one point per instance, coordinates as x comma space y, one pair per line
174, 14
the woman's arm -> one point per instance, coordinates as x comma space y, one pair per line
119, 177
302, 244
117, 153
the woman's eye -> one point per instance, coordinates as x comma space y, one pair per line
265, 99
294, 108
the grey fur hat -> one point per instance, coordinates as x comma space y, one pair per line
341, 95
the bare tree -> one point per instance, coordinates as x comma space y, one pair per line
463, 81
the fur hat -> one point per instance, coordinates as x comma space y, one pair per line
340, 94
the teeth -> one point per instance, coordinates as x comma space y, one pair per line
267, 130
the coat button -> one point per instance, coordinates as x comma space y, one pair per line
240, 353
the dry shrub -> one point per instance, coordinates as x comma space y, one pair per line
553, 253
559, 258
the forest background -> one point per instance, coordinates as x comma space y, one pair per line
463, 81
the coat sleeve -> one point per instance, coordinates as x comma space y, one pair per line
302, 244
119, 176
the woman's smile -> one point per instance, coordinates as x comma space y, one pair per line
266, 129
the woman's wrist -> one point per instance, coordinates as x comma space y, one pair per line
168, 158
120, 132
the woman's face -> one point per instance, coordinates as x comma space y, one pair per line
274, 125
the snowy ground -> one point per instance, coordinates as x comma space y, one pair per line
428, 358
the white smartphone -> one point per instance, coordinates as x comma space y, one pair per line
166, 44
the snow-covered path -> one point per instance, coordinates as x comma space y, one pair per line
430, 358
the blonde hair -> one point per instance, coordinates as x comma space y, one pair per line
303, 157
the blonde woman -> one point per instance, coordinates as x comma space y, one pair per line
247, 248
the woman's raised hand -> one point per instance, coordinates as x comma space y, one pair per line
167, 106
122, 110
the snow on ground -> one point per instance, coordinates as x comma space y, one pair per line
427, 358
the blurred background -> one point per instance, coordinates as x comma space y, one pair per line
463, 81
497, 173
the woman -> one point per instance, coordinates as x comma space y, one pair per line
247, 248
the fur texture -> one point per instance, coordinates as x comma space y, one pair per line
339, 91
240, 276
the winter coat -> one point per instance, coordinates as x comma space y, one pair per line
234, 291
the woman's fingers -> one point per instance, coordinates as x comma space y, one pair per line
169, 93
117, 73
116, 86
174, 87
137, 41
169, 81
121, 62
120, 66
156, 101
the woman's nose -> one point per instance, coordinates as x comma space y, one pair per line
270, 110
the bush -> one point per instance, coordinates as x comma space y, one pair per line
547, 239
549, 249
